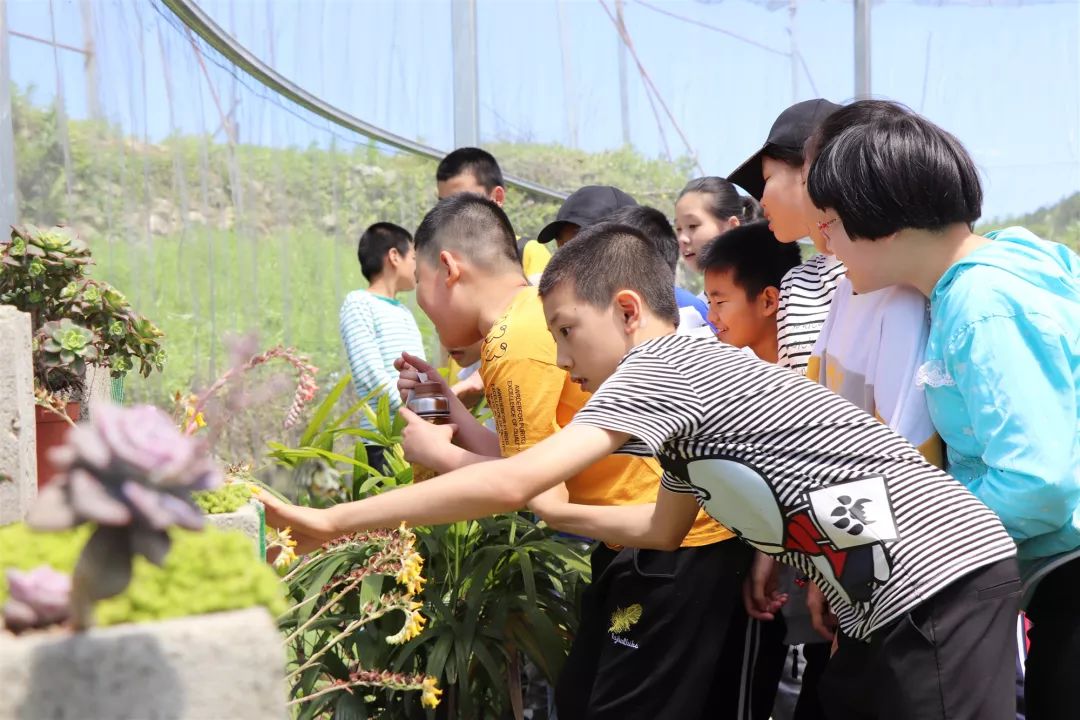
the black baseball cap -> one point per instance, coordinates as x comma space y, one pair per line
585, 207
789, 132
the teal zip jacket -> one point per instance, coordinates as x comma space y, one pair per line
1002, 380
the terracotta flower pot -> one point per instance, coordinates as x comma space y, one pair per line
51, 430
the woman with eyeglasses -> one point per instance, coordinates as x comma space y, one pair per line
1001, 370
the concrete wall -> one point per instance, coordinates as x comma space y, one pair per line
247, 520
227, 665
18, 462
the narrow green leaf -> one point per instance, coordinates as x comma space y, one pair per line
324, 410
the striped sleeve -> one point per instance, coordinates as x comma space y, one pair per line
805, 294
647, 399
360, 336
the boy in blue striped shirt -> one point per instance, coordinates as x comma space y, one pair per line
375, 327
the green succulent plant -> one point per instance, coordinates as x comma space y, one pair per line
43, 273
63, 350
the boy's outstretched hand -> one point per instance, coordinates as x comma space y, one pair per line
310, 527
760, 594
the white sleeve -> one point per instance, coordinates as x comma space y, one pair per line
900, 402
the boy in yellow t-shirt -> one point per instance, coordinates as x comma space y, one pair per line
472, 170
637, 653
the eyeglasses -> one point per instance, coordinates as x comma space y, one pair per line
824, 227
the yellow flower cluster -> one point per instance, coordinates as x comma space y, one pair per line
413, 626
430, 693
283, 540
410, 576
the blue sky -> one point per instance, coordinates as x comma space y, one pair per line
1005, 79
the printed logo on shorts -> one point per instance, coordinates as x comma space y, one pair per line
621, 621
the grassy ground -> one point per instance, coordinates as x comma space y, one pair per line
201, 288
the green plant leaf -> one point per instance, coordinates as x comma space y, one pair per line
323, 411
350, 707
329, 564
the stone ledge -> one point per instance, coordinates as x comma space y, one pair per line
247, 520
227, 666
18, 430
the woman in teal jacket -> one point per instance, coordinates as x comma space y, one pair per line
1002, 367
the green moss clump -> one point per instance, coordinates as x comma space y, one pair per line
204, 572
226, 499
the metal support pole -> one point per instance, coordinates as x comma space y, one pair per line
569, 97
862, 49
93, 104
624, 97
466, 73
9, 208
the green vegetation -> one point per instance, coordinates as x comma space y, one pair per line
1059, 222
204, 572
226, 499
209, 240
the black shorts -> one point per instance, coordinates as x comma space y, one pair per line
950, 657
660, 636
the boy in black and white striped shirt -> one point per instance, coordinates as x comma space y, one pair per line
912, 563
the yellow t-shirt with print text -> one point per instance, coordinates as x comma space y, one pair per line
531, 398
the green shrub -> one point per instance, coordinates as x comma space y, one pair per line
226, 499
204, 572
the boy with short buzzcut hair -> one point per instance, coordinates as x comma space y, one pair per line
476, 171
471, 286
650, 222
743, 271
375, 327
919, 571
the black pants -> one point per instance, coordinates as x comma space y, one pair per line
1053, 662
951, 657
654, 640
766, 654
376, 458
809, 705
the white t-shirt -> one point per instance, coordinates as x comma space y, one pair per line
805, 294
801, 474
869, 351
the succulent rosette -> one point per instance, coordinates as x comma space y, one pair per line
131, 472
38, 598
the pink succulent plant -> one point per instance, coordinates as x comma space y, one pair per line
38, 598
130, 471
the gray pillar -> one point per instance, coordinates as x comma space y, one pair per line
624, 94
862, 49
9, 208
466, 73
18, 433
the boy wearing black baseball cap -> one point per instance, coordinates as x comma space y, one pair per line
584, 207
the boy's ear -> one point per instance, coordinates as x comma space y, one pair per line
393, 257
498, 195
768, 301
631, 308
452, 266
